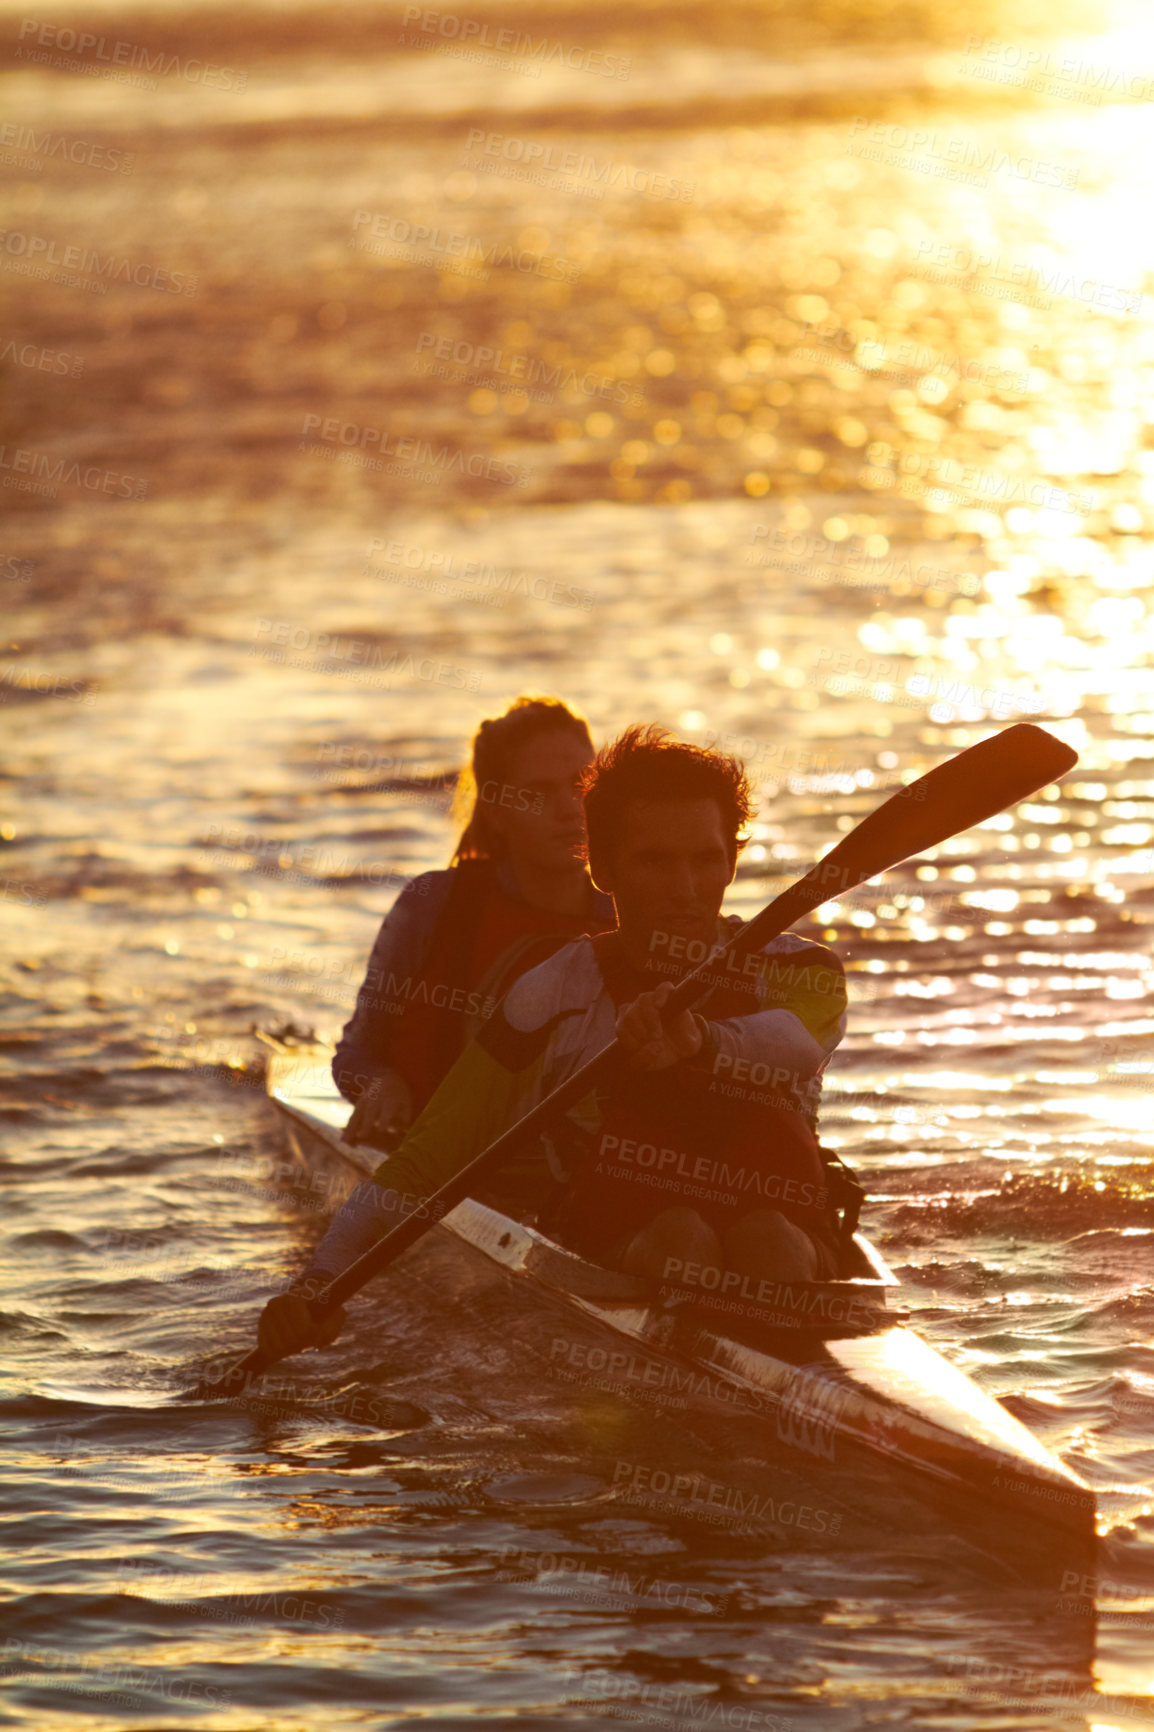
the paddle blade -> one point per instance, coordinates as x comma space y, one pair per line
980, 782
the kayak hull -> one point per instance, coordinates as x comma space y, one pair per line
822, 1405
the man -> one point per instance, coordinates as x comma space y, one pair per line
702, 1149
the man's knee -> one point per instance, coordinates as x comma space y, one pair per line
761, 1225
678, 1234
765, 1242
679, 1223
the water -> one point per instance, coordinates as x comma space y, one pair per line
831, 445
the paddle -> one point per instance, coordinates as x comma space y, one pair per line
963, 791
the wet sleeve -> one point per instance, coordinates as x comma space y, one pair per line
398, 953
474, 1104
500, 1076
803, 996
809, 983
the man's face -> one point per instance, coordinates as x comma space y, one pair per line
669, 872
538, 807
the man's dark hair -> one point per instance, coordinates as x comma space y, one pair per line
647, 763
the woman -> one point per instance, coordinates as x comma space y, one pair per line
454, 941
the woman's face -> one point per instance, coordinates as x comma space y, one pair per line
537, 808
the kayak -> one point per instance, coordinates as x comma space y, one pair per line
817, 1387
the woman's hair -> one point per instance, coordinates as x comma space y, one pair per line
647, 763
495, 745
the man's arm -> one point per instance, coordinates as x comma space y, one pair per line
802, 989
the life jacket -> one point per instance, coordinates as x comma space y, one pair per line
484, 939
678, 1138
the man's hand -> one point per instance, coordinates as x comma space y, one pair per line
287, 1326
650, 1045
383, 1113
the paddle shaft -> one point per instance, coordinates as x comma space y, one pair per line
965, 790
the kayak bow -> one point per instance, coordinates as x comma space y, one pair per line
829, 1369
